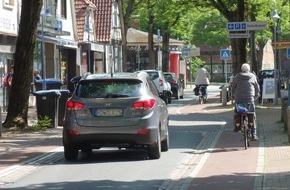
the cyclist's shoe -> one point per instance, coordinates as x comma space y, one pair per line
255, 138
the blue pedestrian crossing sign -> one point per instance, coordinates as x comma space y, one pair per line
225, 54
288, 53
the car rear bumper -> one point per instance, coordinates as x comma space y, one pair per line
110, 140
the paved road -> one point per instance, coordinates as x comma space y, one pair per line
219, 162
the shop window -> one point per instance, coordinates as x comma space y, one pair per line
8, 4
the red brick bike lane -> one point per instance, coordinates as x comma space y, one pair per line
228, 165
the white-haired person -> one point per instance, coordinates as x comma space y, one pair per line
245, 91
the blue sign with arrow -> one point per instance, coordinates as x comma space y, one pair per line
225, 54
288, 53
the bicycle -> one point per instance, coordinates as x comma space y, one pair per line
201, 92
246, 130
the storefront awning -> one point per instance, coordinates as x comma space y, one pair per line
59, 41
140, 38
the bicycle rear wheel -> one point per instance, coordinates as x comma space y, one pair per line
200, 99
245, 138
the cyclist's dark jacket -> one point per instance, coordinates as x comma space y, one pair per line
245, 87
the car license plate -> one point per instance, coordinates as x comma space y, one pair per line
108, 112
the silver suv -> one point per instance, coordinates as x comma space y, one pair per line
162, 85
121, 110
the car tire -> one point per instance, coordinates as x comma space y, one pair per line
181, 97
177, 95
165, 141
165, 99
154, 151
70, 152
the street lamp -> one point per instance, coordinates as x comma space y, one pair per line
88, 30
43, 66
275, 17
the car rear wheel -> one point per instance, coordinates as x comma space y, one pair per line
165, 142
181, 97
165, 99
169, 100
154, 151
177, 95
70, 152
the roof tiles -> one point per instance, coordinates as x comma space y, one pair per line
103, 18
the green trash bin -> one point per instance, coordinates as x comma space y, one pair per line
47, 104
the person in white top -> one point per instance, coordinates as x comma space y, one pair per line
202, 78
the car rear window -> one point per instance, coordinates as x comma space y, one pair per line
108, 88
168, 77
153, 75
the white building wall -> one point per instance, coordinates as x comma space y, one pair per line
8, 18
268, 57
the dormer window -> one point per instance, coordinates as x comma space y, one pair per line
89, 30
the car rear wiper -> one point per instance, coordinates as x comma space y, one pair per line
113, 95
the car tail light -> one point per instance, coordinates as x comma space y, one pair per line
144, 104
143, 132
73, 105
160, 82
174, 81
73, 132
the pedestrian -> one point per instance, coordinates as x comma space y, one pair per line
202, 79
8, 77
245, 90
36, 75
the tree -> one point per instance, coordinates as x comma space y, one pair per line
23, 65
162, 15
126, 9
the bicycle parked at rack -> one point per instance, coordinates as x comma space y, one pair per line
246, 130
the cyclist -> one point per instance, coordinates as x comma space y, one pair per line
202, 79
245, 90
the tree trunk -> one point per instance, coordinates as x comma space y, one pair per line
23, 65
165, 52
152, 63
124, 28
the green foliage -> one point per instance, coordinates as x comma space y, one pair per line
195, 62
208, 28
43, 123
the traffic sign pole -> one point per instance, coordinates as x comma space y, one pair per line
226, 71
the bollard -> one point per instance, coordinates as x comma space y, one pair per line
288, 122
224, 96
